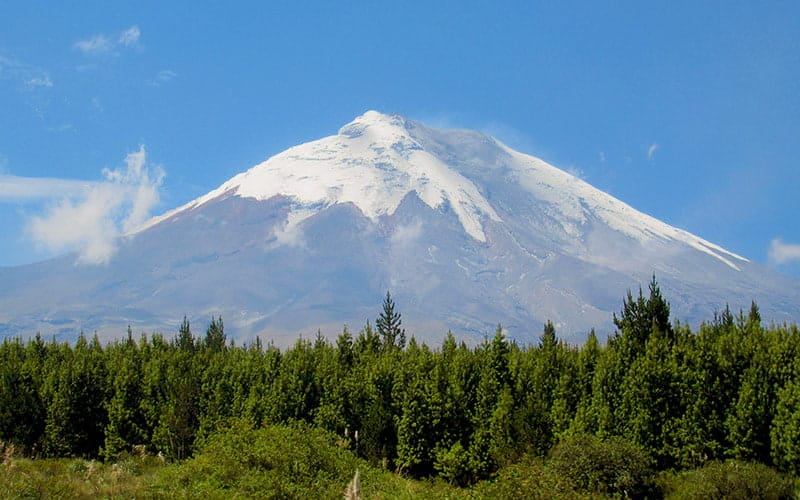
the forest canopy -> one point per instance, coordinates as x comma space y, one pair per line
676, 398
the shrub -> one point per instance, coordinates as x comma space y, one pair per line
614, 466
453, 464
728, 480
528, 478
295, 461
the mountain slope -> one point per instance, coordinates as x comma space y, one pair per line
465, 231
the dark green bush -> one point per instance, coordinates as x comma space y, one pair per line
614, 466
728, 480
453, 464
528, 478
280, 461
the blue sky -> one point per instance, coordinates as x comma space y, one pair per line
689, 111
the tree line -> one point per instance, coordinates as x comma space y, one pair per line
729, 390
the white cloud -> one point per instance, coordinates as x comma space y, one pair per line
291, 232
102, 44
407, 234
91, 218
40, 81
96, 45
602, 157
781, 253
129, 37
164, 76
13, 188
651, 151
29, 77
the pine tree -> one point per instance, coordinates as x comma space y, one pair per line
21, 410
215, 335
367, 342
750, 416
652, 402
344, 348
185, 339
785, 434
488, 417
588, 357
126, 421
638, 319
415, 429
389, 326
76, 413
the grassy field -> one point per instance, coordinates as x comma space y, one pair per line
304, 462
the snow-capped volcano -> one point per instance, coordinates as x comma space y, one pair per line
372, 163
465, 231
377, 159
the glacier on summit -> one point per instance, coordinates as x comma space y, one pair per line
373, 163
465, 232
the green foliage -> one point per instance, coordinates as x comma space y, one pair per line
295, 461
215, 336
529, 478
389, 326
75, 391
731, 480
639, 318
785, 433
453, 465
652, 399
80, 478
126, 421
492, 412
614, 466
22, 412
464, 414
298, 460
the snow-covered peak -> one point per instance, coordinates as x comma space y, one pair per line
377, 125
377, 159
372, 163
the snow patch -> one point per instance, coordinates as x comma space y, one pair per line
575, 199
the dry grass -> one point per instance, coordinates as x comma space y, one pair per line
75, 478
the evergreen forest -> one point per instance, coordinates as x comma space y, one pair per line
651, 411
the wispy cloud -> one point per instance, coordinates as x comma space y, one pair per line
651, 150
96, 45
97, 105
406, 234
28, 76
89, 216
163, 77
14, 188
290, 233
104, 44
782, 253
129, 37
575, 171
40, 81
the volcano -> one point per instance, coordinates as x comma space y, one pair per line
465, 232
